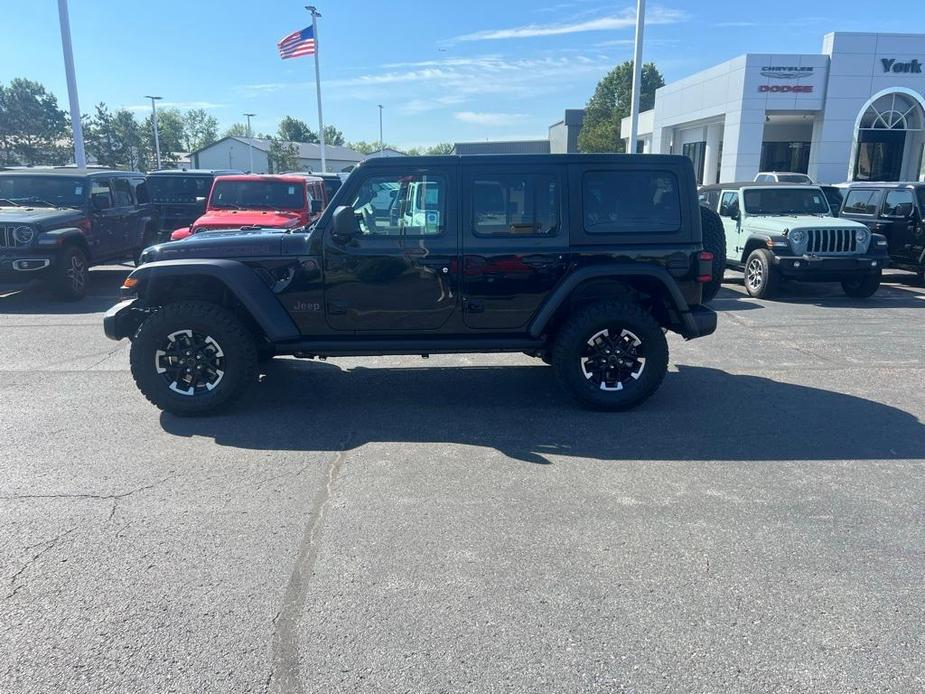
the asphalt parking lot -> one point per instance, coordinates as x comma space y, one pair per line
457, 525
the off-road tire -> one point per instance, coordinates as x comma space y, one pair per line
238, 347
149, 238
70, 274
862, 288
574, 340
714, 240
762, 279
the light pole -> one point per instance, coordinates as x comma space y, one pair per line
381, 145
80, 155
250, 144
637, 76
157, 140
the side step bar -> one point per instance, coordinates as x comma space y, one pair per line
358, 347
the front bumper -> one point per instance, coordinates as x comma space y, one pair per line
814, 268
699, 321
24, 267
123, 319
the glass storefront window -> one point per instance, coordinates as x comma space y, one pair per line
785, 156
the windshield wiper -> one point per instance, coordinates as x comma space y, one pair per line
7, 201
37, 200
228, 206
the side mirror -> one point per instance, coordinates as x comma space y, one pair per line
316, 206
345, 224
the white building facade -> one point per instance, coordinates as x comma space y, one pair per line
855, 111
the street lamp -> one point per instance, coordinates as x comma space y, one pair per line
250, 141
381, 145
157, 141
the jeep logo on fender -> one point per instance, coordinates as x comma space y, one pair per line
890, 65
787, 73
791, 88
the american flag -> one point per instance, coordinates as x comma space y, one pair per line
297, 44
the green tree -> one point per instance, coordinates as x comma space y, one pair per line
199, 129
236, 130
282, 156
611, 103
170, 135
333, 136
442, 148
364, 147
295, 130
33, 129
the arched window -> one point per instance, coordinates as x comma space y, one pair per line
893, 111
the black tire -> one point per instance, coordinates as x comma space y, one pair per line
69, 275
714, 240
761, 277
218, 345
149, 238
631, 334
864, 287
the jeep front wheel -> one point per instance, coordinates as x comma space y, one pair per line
862, 288
611, 355
761, 277
69, 281
193, 358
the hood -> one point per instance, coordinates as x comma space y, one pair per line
42, 216
247, 243
230, 219
780, 224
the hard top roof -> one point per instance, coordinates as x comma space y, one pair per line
195, 172
532, 159
736, 185
66, 171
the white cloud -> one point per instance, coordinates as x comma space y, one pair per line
490, 119
623, 20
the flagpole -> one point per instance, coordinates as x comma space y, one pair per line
315, 14
80, 156
637, 77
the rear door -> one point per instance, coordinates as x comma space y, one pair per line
729, 213
515, 242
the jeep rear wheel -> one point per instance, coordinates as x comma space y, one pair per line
862, 288
761, 277
611, 355
714, 240
69, 279
193, 358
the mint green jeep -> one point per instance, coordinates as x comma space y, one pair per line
787, 231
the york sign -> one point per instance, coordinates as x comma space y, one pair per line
890, 65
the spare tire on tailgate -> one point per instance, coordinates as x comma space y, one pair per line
714, 240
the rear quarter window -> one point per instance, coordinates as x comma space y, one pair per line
630, 202
863, 201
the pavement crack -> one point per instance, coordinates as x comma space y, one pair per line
284, 673
46, 546
107, 355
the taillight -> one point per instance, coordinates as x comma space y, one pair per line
704, 267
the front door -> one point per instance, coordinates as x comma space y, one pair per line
899, 223
515, 242
401, 271
107, 239
126, 216
730, 214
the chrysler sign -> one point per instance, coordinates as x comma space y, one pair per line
787, 73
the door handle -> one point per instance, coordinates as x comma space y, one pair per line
415, 252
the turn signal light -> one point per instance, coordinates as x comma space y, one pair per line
130, 282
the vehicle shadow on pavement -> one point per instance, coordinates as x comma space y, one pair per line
520, 412
102, 293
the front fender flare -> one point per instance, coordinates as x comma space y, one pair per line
239, 279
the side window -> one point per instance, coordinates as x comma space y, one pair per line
898, 203
140, 189
630, 202
412, 205
729, 205
515, 204
100, 194
121, 193
862, 201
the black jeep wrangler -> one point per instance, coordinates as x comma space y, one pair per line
180, 195
583, 261
55, 223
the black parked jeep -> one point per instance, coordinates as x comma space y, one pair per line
180, 195
56, 223
580, 260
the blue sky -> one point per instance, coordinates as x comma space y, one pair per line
444, 71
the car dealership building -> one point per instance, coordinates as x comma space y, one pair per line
856, 111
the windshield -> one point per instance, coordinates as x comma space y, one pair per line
257, 195
54, 191
785, 201
794, 178
175, 188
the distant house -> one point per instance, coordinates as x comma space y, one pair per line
387, 152
235, 153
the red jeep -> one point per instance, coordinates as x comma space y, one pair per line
266, 201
